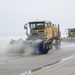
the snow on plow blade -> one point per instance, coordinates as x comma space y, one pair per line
15, 47
35, 47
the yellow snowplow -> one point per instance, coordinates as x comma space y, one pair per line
43, 34
71, 32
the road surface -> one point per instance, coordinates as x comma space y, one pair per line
36, 62
65, 67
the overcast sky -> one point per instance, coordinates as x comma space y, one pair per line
15, 13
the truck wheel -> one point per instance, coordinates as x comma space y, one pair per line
41, 50
57, 45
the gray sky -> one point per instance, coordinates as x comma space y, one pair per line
15, 13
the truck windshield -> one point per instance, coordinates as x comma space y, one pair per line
71, 30
36, 25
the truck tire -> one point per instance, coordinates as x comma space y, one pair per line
57, 45
41, 50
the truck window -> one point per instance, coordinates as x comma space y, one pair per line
36, 25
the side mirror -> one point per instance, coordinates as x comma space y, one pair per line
25, 26
50, 23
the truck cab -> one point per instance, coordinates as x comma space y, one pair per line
43, 29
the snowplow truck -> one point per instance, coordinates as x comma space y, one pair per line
71, 32
43, 36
